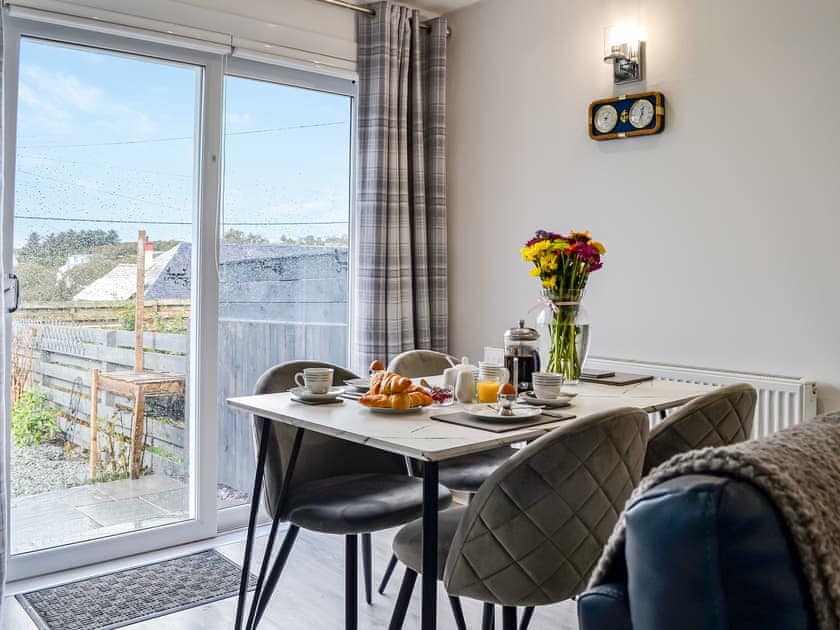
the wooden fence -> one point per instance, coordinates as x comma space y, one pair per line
246, 350
61, 359
62, 356
106, 314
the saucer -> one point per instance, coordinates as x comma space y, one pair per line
530, 398
299, 393
360, 384
488, 412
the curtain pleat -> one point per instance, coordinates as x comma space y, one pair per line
401, 277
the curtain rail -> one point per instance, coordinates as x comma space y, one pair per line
368, 11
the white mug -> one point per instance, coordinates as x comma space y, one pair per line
315, 380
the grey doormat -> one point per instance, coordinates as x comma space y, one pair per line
124, 597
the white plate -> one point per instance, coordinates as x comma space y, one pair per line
362, 384
520, 412
299, 393
392, 411
529, 398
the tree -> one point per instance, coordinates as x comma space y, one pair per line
40, 283
238, 237
53, 249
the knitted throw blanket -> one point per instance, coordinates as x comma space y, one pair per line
799, 469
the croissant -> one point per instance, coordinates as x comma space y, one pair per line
390, 383
405, 400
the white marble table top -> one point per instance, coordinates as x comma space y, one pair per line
417, 435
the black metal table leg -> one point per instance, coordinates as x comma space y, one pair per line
430, 542
509, 618
252, 524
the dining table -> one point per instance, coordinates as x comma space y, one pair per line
419, 436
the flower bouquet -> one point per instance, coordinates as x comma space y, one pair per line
563, 263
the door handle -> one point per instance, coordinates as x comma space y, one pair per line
16, 286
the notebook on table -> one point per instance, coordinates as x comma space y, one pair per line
617, 378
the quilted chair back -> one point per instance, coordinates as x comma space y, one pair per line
537, 526
725, 416
417, 363
320, 456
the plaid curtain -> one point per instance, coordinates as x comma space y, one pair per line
400, 271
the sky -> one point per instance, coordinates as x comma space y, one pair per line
108, 142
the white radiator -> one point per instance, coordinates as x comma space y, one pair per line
783, 401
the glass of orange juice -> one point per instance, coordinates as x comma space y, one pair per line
490, 379
488, 391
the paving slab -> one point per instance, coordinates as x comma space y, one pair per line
130, 510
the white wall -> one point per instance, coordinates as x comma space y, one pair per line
721, 232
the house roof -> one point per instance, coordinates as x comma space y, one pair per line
121, 282
168, 276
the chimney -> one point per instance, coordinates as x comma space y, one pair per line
150, 252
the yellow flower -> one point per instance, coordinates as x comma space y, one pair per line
535, 272
599, 246
550, 283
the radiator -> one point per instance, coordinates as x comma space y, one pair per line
783, 401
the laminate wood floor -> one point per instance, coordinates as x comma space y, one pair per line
310, 596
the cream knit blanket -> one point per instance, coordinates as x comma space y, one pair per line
799, 469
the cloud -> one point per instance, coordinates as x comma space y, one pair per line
65, 88
59, 101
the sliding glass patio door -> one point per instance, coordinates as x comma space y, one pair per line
112, 178
284, 241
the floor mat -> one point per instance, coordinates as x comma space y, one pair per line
124, 597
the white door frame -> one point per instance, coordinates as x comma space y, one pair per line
202, 391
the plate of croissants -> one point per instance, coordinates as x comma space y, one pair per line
391, 393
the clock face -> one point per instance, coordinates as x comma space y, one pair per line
641, 113
605, 118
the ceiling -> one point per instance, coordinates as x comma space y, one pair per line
437, 7
440, 6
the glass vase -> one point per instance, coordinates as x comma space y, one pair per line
564, 335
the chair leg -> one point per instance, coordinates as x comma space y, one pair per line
508, 617
274, 575
367, 567
488, 614
388, 571
351, 582
460, 622
526, 618
403, 599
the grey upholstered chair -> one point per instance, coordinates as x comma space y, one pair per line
336, 487
417, 363
535, 529
462, 474
725, 416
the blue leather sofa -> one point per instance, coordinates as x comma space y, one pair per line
703, 552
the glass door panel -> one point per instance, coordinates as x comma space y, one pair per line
105, 197
283, 258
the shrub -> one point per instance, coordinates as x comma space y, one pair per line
33, 420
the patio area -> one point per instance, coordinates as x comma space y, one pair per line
91, 511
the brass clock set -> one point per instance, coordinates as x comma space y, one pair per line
641, 114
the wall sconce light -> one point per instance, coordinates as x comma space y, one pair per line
624, 50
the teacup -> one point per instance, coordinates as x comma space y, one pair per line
547, 386
315, 380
